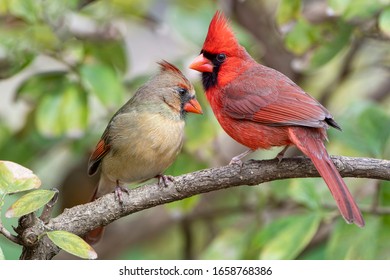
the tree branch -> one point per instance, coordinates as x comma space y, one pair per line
83, 218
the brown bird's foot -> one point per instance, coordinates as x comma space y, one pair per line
280, 155
119, 190
237, 159
164, 180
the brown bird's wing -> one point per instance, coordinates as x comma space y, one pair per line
101, 149
266, 96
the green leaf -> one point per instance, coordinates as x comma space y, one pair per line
108, 53
42, 37
16, 178
41, 84
226, 246
384, 197
339, 6
104, 82
384, 21
14, 63
72, 243
302, 37
363, 9
62, 104
351, 242
330, 48
196, 20
29, 203
63, 111
383, 241
74, 111
365, 129
29, 10
314, 253
47, 117
134, 7
305, 191
287, 237
288, 10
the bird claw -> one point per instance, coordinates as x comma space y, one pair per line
119, 190
236, 161
280, 155
164, 180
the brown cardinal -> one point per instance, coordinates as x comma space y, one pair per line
144, 137
261, 108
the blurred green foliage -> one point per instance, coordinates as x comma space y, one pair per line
67, 66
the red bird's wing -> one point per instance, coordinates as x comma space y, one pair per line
266, 96
101, 149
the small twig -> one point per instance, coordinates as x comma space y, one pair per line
46, 213
9, 236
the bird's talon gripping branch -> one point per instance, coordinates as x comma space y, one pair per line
119, 190
280, 155
164, 180
237, 160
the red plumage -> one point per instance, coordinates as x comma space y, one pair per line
261, 108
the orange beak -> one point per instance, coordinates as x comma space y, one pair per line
202, 64
193, 106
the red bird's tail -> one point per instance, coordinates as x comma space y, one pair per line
96, 234
310, 142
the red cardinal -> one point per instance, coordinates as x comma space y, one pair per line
262, 108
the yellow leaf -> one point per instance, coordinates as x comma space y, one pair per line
72, 243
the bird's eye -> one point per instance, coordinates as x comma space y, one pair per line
221, 57
182, 91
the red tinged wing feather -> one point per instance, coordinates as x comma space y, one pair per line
266, 96
101, 149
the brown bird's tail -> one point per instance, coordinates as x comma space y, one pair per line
310, 142
96, 234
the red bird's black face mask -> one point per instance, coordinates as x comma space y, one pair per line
210, 79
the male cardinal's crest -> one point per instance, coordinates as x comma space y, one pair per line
220, 35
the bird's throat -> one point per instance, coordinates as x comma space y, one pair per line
209, 79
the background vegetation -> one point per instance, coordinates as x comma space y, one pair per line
67, 66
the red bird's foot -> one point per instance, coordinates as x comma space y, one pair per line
280, 155
119, 190
237, 159
164, 180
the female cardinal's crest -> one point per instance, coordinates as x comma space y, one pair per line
220, 37
166, 66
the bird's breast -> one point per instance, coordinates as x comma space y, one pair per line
144, 147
